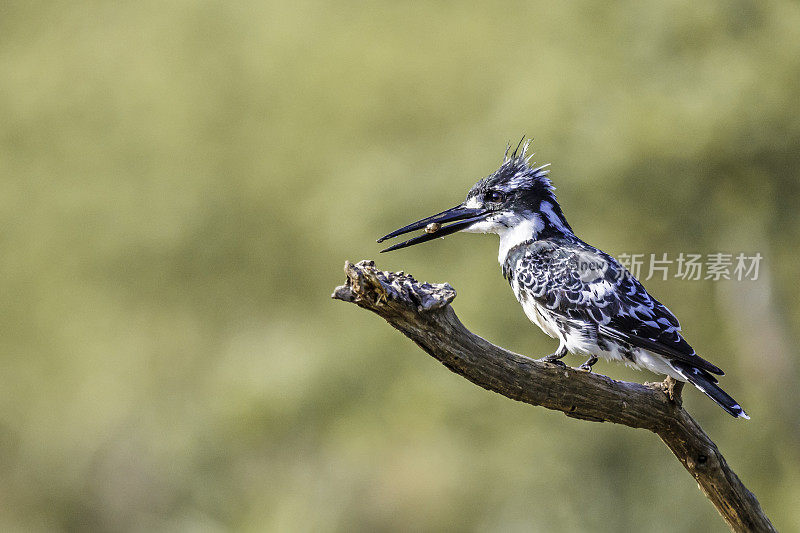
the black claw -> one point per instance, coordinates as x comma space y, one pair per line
554, 358
587, 366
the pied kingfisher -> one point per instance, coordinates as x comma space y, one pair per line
574, 292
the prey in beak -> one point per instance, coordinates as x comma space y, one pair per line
459, 217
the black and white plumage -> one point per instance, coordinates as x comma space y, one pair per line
574, 292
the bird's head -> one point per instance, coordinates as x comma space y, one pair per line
517, 198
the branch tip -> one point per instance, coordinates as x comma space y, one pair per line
371, 288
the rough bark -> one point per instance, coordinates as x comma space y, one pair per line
422, 312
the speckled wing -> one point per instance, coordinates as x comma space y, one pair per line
583, 284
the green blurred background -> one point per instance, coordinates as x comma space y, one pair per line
183, 181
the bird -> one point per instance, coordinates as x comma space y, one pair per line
574, 292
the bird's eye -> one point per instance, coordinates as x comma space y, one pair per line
493, 196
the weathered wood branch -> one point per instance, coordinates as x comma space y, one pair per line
422, 312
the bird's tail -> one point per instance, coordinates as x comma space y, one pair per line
708, 385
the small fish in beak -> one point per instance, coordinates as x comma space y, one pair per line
439, 225
433, 227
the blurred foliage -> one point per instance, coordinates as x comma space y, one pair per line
183, 182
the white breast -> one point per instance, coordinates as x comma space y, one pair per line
538, 314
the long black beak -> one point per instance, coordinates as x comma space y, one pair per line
466, 215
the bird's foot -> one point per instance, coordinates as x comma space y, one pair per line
554, 358
587, 366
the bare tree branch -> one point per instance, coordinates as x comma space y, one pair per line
422, 312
